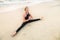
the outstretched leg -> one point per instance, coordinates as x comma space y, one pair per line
24, 23
33, 20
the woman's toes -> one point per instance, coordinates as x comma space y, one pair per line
42, 17
13, 34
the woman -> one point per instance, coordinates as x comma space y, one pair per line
27, 18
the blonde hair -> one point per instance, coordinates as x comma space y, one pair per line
25, 8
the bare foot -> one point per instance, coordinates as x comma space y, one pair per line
41, 17
13, 34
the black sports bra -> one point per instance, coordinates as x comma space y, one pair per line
27, 16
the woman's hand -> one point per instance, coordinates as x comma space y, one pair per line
25, 20
30, 18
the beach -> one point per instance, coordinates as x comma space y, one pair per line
46, 29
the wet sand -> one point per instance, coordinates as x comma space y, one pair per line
46, 29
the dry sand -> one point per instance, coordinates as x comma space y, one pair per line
46, 29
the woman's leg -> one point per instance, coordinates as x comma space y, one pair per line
24, 23
33, 20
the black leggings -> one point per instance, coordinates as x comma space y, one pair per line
24, 23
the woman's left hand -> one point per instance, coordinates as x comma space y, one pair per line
30, 18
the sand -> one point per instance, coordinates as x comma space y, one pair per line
46, 29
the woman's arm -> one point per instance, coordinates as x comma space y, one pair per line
24, 18
31, 17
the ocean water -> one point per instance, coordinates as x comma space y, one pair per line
9, 5
23, 2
